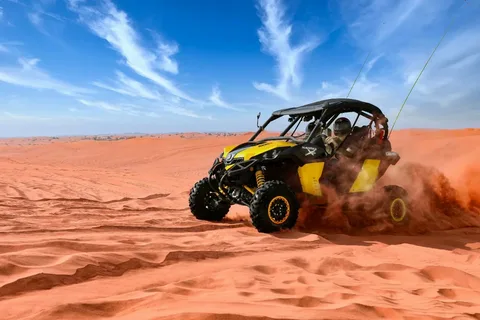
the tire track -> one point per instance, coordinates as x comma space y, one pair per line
46, 281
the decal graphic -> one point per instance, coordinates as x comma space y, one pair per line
311, 151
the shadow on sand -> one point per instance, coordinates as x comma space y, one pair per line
464, 238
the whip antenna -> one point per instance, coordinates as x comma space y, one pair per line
360, 71
358, 75
418, 77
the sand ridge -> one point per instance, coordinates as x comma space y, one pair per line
98, 229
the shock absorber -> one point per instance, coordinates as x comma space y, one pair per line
260, 178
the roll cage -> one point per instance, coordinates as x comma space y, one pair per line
325, 112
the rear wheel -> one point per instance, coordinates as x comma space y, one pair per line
396, 205
274, 207
205, 204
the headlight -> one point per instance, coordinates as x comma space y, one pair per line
230, 156
269, 155
392, 157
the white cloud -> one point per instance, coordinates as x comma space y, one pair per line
216, 99
25, 117
184, 112
130, 87
165, 62
275, 37
100, 104
447, 94
7, 45
451, 78
17, 2
48, 2
114, 26
381, 23
133, 88
136, 110
31, 76
165, 52
35, 19
9, 117
127, 109
37, 14
1, 13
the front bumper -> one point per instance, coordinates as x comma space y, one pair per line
233, 168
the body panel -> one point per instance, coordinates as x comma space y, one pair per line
227, 149
251, 151
367, 176
309, 175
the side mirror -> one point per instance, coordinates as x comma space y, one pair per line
258, 118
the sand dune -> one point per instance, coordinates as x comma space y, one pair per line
101, 229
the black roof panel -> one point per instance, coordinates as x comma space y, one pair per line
342, 104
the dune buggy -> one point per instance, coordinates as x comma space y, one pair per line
274, 175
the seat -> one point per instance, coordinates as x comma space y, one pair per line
318, 141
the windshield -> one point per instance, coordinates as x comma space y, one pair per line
286, 127
300, 129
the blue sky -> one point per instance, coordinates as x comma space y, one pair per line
116, 66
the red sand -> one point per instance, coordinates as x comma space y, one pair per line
101, 229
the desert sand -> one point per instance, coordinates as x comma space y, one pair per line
99, 229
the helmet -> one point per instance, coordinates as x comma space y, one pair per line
342, 126
310, 127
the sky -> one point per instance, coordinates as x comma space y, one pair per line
70, 67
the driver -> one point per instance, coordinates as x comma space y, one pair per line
341, 128
309, 129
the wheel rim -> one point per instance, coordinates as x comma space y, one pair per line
398, 210
212, 201
278, 210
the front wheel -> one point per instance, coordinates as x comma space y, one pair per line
396, 205
205, 204
274, 207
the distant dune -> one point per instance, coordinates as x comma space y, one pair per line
97, 228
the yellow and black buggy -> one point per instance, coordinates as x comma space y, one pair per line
271, 175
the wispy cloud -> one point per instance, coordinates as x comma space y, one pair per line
127, 109
17, 2
113, 25
383, 23
9, 116
275, 37
165, 51
147, 110
185, 112
28, 74
452, 75
48, 2
130, 87
35, 19
447, 91
17, 116
7, 46
37, 12
4, 18
216, 99
165, 61
102, 105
